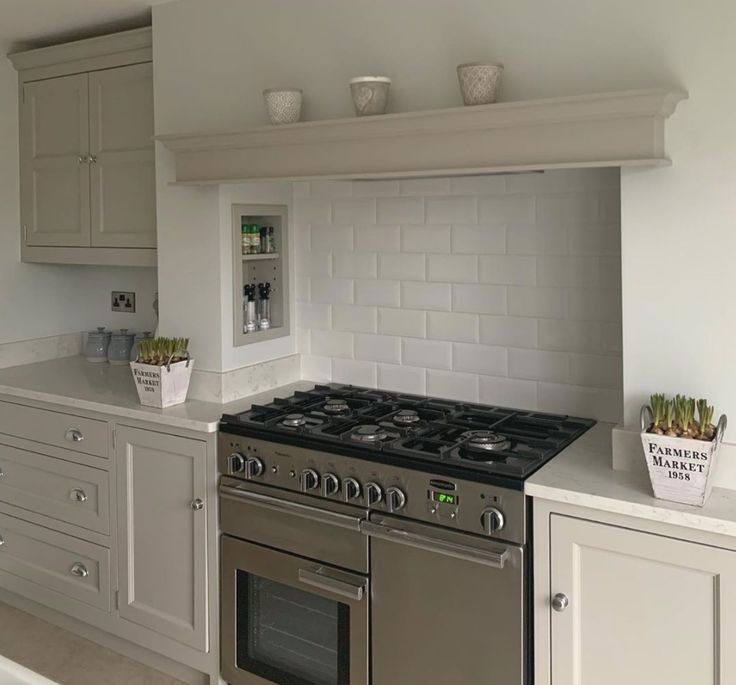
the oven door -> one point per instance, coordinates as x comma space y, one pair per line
291, 621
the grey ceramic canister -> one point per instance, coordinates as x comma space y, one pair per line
120, 346
98, 342
370, 94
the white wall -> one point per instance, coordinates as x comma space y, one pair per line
214, 58
42, 300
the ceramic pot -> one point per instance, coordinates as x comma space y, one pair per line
370, 94
479, 83
284, 105
98, 342
120, 345
162, 386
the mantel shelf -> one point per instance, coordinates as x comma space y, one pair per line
607, 129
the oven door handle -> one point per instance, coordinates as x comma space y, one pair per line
284, 506
320, 578
495, 558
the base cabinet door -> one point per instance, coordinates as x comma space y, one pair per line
163, 534
638, 608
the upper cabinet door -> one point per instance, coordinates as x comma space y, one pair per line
642, 608
54, 151
122, 153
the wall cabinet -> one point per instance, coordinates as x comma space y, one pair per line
88, 191
628, 606
163, 533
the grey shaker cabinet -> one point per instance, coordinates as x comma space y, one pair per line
163, 533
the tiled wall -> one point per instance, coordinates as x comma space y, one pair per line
498, 289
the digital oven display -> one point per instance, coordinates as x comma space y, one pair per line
444, 497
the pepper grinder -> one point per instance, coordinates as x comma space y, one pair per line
264, 290
250, 322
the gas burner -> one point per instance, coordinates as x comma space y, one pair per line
486, 441
369, 433
336, 406
294, 420
406, 417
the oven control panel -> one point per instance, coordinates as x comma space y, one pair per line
466, 505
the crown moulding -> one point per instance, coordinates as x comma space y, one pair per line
602, 130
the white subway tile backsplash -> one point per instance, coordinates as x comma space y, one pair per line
378, 348
506, 209
377, 238
400, 210
458, 327
375, 188
604, 404
312, 211
315, 264
302, 288
478, 185
539, 302
400, 266
508, 392
332, 343
332, 290
451, 210
612, 338
425, 239
402, 322
595, 304
609, 272
507, 270
453, 385
539, 365
348, 317
479, 299
425, 186
300, 190
610, 206
479, 240
567, 209
317, 369
313, 315
357, 210
596, 370
379, 292
328, 237
571, 336
531, 240
433, 354
354, 372
583, 240
484, 359
508, 331
567, 271
303, 345
418, 295
452, 268
330, 189
355, 265
398, 378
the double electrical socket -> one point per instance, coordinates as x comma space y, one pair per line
123, 302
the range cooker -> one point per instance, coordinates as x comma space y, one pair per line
378, 537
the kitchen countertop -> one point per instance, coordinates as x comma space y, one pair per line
75, 383
582, 475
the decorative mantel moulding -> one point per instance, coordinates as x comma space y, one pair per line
602, 130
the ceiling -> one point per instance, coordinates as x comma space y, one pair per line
26, 24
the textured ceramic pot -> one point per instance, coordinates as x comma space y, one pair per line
120, 345
98, 342
479, 83
284, 105
370, 94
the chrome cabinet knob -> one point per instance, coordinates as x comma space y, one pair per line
236, 462
74, 435
92, 159
83, 159
373, 494
350, 489
196, 505
395, 499
330, 485
492, 520
253, 467
79, 570
78, 495
2, 540
560, 602
2, 473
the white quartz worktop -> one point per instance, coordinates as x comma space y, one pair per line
582, 475
74, 383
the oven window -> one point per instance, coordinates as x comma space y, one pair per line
289, 636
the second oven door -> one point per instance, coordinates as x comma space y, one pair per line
446, 607
290, 621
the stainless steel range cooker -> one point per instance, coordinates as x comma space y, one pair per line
375, 537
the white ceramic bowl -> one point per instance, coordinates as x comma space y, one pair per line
370, 94
284, 105
479, 82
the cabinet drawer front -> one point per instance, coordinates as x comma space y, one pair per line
54, 428
76, 494
69, 566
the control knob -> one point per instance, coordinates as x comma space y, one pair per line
309, 480
395, 499
236, 462
330, 485
492, 520
373, 494
350, 489
253, 467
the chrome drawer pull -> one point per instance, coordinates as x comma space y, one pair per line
319, 578
74, 435
196, 505
78, 495
79, 570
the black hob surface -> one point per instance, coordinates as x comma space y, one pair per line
420, 432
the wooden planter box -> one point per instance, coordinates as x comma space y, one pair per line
681, 469
162, 386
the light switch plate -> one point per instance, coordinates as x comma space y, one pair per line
123, 302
